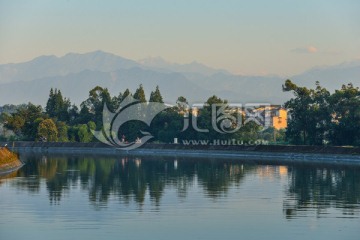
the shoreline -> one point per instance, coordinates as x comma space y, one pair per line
10, 170
262, 153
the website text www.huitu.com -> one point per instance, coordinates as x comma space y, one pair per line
223, 142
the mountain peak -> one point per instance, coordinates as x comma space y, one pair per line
96, 53
192, 67
43, 58
154, 62
48, 66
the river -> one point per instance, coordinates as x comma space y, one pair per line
102, 197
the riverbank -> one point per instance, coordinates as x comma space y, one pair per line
9, 161
265, 153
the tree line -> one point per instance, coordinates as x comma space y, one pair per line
318, 117
62, 121
315, 117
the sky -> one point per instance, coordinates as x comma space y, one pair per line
257, 37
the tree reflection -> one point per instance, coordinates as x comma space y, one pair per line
216, 176
131, 179
321, 188
127, 179
31, 172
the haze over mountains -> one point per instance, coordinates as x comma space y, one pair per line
76, 74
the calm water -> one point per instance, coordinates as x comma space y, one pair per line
69, 197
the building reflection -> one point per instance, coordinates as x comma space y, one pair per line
269, 172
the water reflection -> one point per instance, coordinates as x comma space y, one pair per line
306, 188
320, 189
128, 179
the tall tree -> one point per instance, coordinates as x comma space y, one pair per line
156, 96
140, 94
73, 114
125, 94
50, 105
57, 106
345, 112
94, 105
62, 131
305, 111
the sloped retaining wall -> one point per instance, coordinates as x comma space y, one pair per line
8, 161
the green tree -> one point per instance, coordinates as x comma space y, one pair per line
14, 123
84, 115
117, 100
182, 105
318, 117
125, 94
10, 108
36, 127
73, 114
273, 136
47, 130
345, 113
140, 94
309, 114
206, 120
93, 107
50, 105
73, 133
62, 132
156, 96
57, 106
91, 125
30, 113
167, 125
84, 132
22, 122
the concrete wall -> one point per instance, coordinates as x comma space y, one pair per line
264, 154
253, 148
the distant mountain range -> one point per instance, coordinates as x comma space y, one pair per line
191, 68
75, 74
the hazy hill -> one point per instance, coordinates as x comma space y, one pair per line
190, 68
332, 77
75, 74
76, 86
50, 66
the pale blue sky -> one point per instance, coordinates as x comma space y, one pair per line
247, 37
